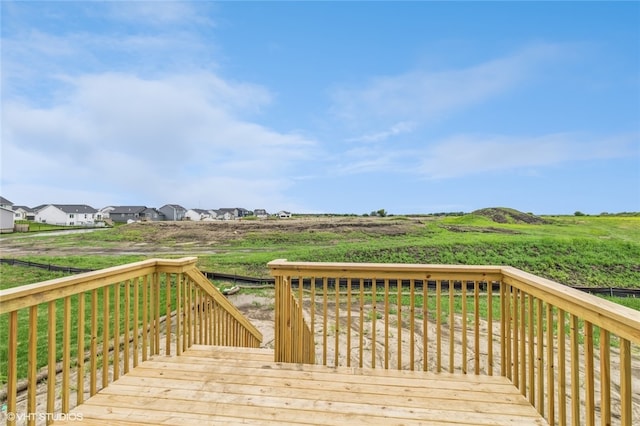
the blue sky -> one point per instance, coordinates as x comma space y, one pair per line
323, 107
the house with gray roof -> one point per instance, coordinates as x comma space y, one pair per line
24, 213
173, 212
7, 220
232, 213
126, 214
260, 213
5, 203
199, 214
67, 215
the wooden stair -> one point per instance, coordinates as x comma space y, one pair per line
228, 385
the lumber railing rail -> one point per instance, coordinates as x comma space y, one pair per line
78, 334
294, 339
557, 345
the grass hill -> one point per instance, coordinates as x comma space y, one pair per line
506, 215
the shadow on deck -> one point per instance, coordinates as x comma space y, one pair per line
229, 385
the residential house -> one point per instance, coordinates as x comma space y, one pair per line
244, 212
283, 214
67, 214
198, 214
7, 220
126, 214
6, 203
103, 213
232, 213
224, 214
173, 212
260, 213
36, 209
24, 213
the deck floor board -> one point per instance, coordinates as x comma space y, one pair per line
218, 385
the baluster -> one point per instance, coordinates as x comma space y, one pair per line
32, 364
80, 354
51, 362
412, 327
463, 298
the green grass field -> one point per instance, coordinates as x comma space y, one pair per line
601, 251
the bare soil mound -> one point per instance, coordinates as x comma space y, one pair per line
506, 215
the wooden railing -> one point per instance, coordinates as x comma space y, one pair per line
89, 329
559, 346
295, 334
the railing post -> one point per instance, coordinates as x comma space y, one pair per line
283, 320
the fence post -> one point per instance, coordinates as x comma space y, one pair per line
283, 320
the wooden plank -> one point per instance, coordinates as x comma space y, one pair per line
194, 274
296, 410
66, 354
32, 362
386, 270
562, 373
503, 392
224, 385
253, 354
406, 397
626, 411
116, 331
93, 387
59, 288
221, 370
360, 404
80, 351
98, 415
618, 319
605, 377
51, 359
231, 355
105, 337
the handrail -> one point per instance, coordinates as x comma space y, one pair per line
467, 326
293, 334
253, 333
110, 320
598, 311
32, 294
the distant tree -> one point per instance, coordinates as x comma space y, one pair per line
381, 212
578, 213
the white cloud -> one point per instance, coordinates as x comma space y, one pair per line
423, 96
157, 12
136, 112
396, 129
184, 138
472, 154
34, 61
465, 155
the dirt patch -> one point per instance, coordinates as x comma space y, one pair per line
505, 215
212, 237
483, 230
228, 231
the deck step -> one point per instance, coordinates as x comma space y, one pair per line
222, 385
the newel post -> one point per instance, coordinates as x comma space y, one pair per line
283, 330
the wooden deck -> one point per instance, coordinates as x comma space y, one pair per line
223, 385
